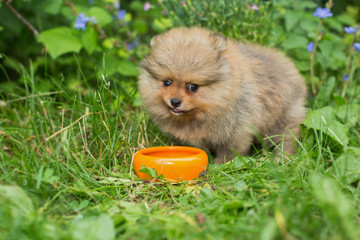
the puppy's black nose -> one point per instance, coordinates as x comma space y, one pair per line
175, 102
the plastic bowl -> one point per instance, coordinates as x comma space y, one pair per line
175, 163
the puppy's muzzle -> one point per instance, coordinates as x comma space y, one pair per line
175, 102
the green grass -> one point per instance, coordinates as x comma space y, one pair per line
69, 130
65, 173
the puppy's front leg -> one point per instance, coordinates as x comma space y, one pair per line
241, 145
223, 156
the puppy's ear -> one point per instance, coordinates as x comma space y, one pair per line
219, 41
153, 41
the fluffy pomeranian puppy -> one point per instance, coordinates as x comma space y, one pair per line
209, 91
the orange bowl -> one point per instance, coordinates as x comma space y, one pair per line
174, 163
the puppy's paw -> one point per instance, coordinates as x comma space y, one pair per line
220, 160
223, 159
280, 158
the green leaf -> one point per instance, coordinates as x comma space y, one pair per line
137, 6
111, 63
326, 47
349, 114
161, 24
109, 43
333, 202
79, 206
291, 19
52, 6
302, 65
295, 41
45, 176
240, 186
339, 100
128, 17
328, 194
93, 227
102, 17
115, 181
49, 176
60, 40
149, 171
89, 40
345, 19
127, 68
9, 21
306, 4
309, 25
67, 13
39, 177
332, 58
137, 101
326, 90
324, 120
348, 165
241, 162
14, 200
123, 53
334, 24
140, 26
131, 211
339, 55
206, 193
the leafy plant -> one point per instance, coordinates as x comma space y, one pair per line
104, 35
70, 122
244, 20
320, 37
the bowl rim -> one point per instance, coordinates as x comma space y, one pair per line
197, 151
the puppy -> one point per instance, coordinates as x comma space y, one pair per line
207, 90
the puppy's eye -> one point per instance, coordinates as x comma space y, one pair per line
166, 83
192, 87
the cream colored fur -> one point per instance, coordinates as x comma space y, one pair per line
244, 90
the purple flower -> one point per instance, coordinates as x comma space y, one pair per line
310, 47
80, 22
253, 7
147, 6
183, 3
121, 14
357, 46
346, 77
91, 2
131, 46
322, 13
350, 30
164, 12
